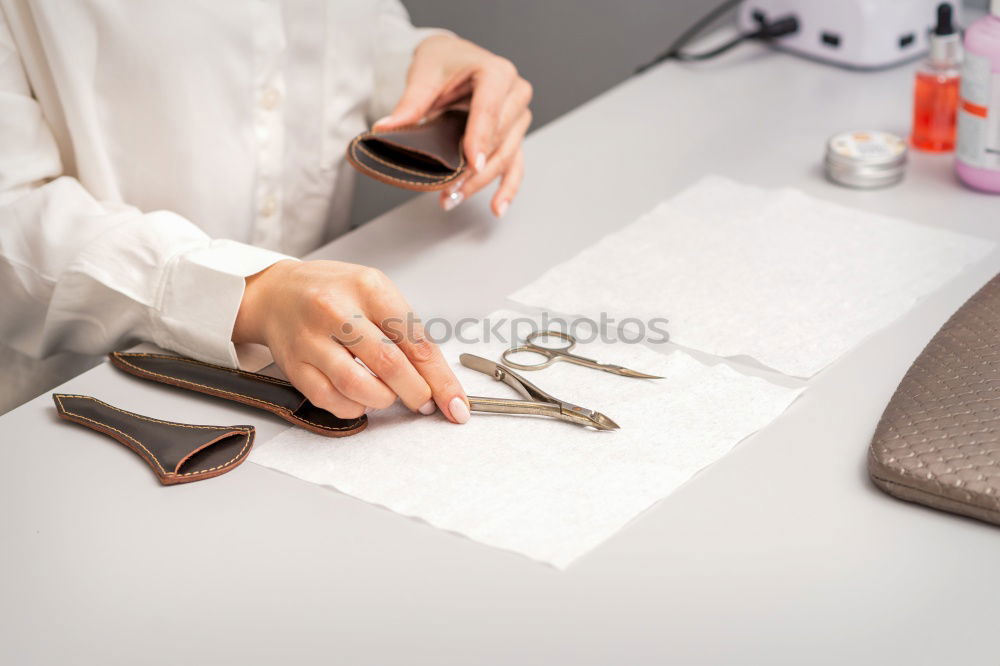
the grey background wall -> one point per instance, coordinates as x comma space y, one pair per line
571, 50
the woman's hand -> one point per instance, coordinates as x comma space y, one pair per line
317, 316
446, 69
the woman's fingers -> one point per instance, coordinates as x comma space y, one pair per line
498, 163
510, 182
417, 100
427, 359
323, 314
315, 386
491, 84
444, 71
514, 106
346, 375
399, 324
383, 357
455, 96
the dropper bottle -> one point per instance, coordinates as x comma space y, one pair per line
935, 100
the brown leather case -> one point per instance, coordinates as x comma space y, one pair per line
426, 156
250, 388
177, 452
938, 442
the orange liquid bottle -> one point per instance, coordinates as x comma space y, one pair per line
935, 97
935, 105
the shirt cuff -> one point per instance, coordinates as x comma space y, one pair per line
201, 292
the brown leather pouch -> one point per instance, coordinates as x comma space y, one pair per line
938, 442
426, 156
250, 388
177, 452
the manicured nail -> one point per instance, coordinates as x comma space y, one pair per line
502, 208
459, 410
480, 161
453, 200
383, 121
428, 408
456, 186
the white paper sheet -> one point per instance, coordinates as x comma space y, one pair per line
787, 279
547, 489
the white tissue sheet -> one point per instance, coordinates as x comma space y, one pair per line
547, 489
787, 279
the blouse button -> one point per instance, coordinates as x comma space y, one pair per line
270, 99
268, 207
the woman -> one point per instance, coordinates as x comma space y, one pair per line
161, 164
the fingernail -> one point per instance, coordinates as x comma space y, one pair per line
502, 208
453, 200
456, 186
480, 161
383, 121
428, 408
459, 410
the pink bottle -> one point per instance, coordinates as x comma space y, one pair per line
978, 150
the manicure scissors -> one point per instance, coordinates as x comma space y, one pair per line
538, 403
561, 353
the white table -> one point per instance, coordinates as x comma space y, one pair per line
782, 553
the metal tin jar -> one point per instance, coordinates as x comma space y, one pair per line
865, 159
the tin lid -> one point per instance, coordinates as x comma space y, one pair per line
865, 158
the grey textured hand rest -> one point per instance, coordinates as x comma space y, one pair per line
938, 442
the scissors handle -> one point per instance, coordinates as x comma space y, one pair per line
551, 354
566, 337
508, 377
550, 357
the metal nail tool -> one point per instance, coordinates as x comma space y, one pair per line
538, 403
561, 353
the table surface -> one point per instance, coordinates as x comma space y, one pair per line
781, 553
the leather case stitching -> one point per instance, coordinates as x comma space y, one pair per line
250, 375
62, 407
144, 371
417, 152
192, 361
382, 174
245, 431
367, 135
246, 445
424, 174
213, 442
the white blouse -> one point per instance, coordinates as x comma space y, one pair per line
153, 154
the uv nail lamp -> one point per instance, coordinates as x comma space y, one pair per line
860, 34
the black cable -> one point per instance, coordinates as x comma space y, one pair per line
736, 41
785, 25
689, 34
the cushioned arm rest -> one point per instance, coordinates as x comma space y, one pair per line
938, 442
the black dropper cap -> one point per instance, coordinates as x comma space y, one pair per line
944, 26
